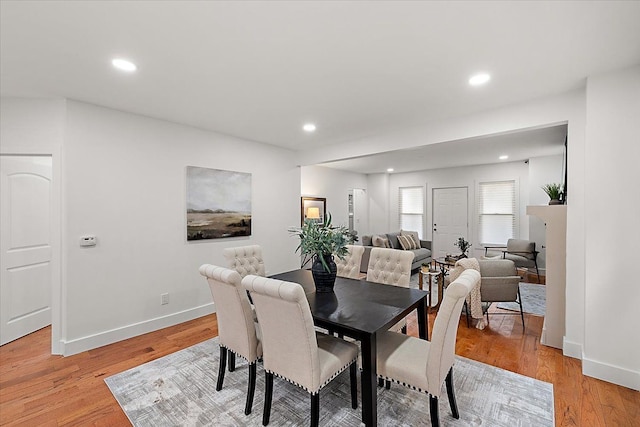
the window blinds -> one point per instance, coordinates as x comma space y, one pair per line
411, 209
496, 212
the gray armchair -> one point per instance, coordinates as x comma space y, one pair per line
522, 252
499, 283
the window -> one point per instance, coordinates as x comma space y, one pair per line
411, 208
496, 212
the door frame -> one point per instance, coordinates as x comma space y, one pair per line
57, 346
432, 212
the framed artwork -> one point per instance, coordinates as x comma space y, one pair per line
314, 208
218, 203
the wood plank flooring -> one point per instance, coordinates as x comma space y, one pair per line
38, 389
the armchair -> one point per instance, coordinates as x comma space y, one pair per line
522, 252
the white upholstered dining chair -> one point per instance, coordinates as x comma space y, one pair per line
425, 365
245, 260
391, 267
293, 350
349, 267
238, 334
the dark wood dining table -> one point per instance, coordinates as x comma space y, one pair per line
360, 309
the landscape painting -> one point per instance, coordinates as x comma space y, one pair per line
218, 203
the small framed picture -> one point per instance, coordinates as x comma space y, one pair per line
313, 208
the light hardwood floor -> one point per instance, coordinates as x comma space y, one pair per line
37, 389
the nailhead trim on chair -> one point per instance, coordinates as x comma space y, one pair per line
321, 386
239, 355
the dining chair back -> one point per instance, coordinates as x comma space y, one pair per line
245, 260
391, 267
424, 365
292, 349
238, 334
349, 267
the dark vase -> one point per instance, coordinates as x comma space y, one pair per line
324, 280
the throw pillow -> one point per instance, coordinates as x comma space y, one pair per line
380, 242
406, 242
413, 235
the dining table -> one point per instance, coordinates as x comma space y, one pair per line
360, 309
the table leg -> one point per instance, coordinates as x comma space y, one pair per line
420, 280
423, 320
368, 381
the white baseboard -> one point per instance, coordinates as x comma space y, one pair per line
90, 342
612, 374
571, 349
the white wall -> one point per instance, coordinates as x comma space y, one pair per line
36, 126
378, 187
458, 177
612, 211
334, 185
542, 170
123, 180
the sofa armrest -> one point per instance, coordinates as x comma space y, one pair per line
425, 244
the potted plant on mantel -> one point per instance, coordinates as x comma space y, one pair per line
554, 191
320, 242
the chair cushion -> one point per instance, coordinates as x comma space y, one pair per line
517, 245
403, 358
334, 356
366, 240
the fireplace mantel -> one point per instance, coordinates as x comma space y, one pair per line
555, 218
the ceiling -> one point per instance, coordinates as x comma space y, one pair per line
259, 70
518, 146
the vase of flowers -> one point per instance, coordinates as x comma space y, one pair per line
463, 245
321, 242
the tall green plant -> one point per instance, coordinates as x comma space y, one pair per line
318, 239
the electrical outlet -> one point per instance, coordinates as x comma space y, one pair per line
164, 299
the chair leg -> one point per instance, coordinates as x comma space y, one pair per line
433, 408
387, 384
268, 394
232, 361
466, 312
221, 368
380, 382
537, 272
520, 303
251, 388
353, 374
315, 409
404, 330
451, 394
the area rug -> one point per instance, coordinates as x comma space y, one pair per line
179, 390
534, 299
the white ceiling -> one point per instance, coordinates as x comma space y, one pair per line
519, 146
259, 70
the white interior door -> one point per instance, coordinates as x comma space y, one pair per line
450, 219
25, 245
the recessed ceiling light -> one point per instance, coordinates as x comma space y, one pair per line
309, 127
124, 65
479, 79
390, 170
503, 157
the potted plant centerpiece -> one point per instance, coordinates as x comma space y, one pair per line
320, 242
463, 245
554, 191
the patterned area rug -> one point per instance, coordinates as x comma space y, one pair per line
534, 300
179, 390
